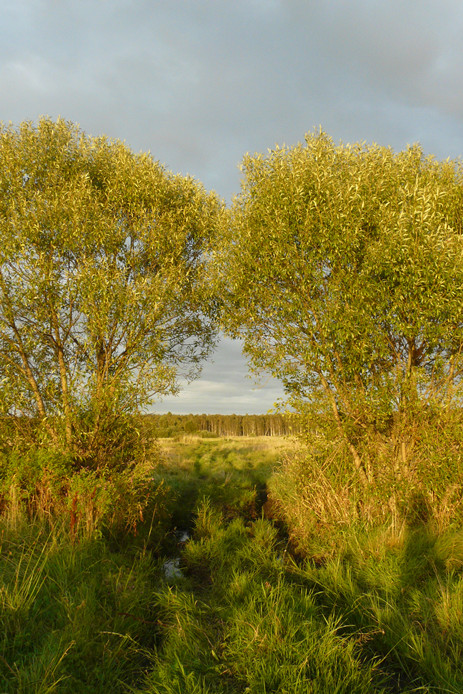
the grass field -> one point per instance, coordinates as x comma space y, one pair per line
243, 614
232, 472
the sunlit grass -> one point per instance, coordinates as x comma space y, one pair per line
247, 618
366, 611
239, 623
403, 598
232, 471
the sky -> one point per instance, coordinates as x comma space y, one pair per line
199, 83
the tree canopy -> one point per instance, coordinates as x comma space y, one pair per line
342, 271
103, 301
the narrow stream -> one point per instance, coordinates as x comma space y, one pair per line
171, 567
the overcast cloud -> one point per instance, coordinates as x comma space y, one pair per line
201, 82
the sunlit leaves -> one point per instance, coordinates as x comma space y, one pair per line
342, 269
103, 292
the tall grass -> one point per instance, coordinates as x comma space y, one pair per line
239, 623
73, 617
384, 615
360, 607
319, 496
403, 598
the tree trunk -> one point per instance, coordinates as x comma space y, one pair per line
365, 478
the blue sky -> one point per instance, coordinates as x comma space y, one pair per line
201, 82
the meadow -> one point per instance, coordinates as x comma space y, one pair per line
215, 590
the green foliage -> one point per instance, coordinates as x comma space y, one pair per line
341, 269
102, 294
43, 484
28, 470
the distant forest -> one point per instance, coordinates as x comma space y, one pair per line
168, 425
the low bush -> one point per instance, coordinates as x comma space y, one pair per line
44, 484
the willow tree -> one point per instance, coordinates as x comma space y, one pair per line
342, 271
102, 295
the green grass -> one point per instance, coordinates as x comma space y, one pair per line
404, 598
373, 612
232, 472
238, 622
72, 617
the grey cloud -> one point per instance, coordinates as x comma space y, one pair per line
225, 386
202, 83
410, 50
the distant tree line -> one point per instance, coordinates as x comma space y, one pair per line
166, 425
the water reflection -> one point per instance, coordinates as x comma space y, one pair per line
171, 567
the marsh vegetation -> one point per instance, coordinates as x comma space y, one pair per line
255, 606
